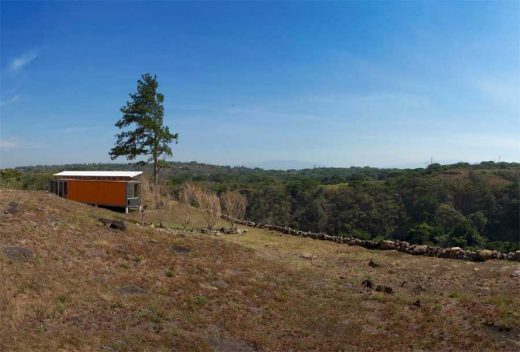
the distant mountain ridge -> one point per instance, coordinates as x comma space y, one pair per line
273, 165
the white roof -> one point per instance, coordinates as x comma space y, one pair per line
130, 174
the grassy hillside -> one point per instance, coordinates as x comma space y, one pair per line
88, 288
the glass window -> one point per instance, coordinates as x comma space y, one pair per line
129, 190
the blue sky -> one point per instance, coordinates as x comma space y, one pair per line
336, 84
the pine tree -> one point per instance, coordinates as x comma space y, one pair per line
149, 137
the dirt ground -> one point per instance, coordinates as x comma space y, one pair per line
68, 283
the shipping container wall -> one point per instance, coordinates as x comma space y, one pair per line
98, 192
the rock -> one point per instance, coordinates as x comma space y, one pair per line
367, 284
17, 254
219, 344
208, 287
455, 252
370, 244
418, 289
241, 231
220, 284
180, 249
419, 249
373, 264
131, 290
348, 285
227, 230
516, 274
114, 224
386, 245
485, 254
308, 256
385, 289
12, 208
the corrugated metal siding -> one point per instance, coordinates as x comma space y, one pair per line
97, 192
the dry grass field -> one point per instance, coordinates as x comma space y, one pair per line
68, 283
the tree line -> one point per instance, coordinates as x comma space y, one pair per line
472, 209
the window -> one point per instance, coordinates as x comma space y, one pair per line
132, 190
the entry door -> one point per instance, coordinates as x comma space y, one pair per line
132, 194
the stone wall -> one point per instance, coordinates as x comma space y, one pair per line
401, 246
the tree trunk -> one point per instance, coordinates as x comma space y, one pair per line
155, 172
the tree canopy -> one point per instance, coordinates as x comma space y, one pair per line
143, 132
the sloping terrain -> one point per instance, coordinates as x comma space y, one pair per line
68, 283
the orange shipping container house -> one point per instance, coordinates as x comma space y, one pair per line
108, 188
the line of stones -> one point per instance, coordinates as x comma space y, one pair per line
401, 246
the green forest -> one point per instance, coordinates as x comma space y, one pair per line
465, 205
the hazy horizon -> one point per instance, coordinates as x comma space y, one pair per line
384, 84
281, 165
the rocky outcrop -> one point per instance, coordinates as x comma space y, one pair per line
454, 252
386, 245
515, 256
419, 249
114, 224
486, 254
401, 246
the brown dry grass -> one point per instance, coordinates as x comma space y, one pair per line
234, 293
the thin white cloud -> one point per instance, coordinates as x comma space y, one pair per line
10, 101
508, 142
21, 61
80, 128
504, 91
9, 143
17, 143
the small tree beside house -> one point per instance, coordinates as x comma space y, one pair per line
143, 132
162, 202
